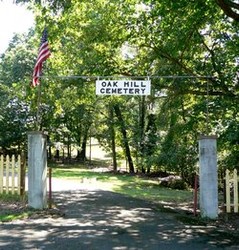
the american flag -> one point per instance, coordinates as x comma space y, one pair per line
43, 54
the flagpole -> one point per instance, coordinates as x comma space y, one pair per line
43, 54
38, 107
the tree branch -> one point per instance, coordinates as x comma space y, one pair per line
229, 8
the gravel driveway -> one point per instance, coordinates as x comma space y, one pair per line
100, 219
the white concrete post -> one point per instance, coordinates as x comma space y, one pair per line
37, 170
208, 177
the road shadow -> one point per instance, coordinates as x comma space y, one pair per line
96, 219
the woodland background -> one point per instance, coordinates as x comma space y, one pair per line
128, 38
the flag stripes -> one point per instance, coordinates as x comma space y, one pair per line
43, 54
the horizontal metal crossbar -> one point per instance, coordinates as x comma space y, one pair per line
127, 77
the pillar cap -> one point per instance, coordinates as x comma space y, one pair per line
36, 133
202, 137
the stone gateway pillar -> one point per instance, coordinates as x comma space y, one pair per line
37, 170
208, 177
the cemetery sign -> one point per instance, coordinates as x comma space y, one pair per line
123, 87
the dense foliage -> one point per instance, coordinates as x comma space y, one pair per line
188, 48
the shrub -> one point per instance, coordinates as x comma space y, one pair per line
174, 182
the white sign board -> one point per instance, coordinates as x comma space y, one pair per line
123, 87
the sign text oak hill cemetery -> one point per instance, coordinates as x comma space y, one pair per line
123, 87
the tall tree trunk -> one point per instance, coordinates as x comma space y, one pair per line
125, 139
57, 156
82, 153
142, 112
112, 136
68, 147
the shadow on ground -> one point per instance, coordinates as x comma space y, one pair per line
96, 219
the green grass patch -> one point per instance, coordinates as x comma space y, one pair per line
14, 216
151, 191
73, 173
10, 197
9, 214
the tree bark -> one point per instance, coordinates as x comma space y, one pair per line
142, 112
230, 8
125, 139
112, 135
82, 154
68, 147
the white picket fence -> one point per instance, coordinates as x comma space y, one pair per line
10, 174
231, 180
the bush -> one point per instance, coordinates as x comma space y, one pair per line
178, 184
174, 183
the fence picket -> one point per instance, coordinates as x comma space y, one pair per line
228, 198
10, 175
1, 174
231, 180
7, 174
19, 175
13, 174
235, 192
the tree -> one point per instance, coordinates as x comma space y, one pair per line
183, 40
16, 117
